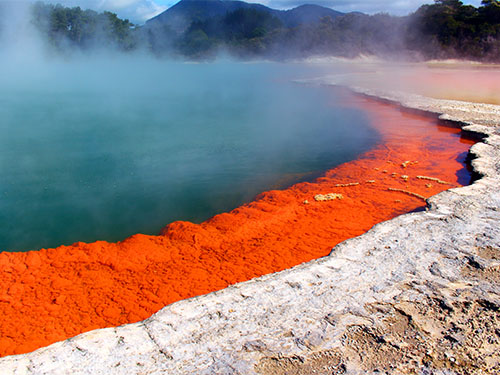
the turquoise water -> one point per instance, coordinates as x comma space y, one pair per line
103, 150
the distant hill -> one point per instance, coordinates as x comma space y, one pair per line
180, 16
306, 14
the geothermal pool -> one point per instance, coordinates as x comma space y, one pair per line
101, 150
53, 294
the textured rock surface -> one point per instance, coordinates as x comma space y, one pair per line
417, 294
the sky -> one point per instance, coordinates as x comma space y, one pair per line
139, 11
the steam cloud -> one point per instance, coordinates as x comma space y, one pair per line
18, 39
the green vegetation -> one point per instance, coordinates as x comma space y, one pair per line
449, 28
84, 29
445, 29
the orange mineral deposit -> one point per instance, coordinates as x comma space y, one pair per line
53, 294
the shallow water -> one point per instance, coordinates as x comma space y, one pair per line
104, 150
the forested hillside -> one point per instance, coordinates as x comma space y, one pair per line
200, 29
451, 29
65, 28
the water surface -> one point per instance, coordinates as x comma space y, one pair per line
100, 151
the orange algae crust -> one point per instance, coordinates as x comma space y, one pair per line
53, 294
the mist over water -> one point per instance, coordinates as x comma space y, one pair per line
102, 145
100, 149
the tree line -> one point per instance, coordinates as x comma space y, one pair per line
445, 29
66, 28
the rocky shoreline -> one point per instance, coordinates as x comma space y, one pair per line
416, 294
